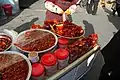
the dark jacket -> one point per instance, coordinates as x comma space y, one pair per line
111, 54
117, 3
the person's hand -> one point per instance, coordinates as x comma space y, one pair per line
68, 12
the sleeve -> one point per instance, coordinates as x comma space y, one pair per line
53, 8
73, 8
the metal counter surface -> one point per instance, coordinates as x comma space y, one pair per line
76, 63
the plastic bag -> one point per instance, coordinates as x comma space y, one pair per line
64, 17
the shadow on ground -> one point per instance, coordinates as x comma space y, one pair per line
115, 20
4, 19
89, 29
26, 3
107, 11
26, 25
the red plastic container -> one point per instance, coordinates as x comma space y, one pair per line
62, 42
7, 9
37, 71
50, 63
62, 56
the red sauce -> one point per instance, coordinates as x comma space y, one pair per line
35, 40
69, 30
5, 42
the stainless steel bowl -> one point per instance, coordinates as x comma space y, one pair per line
11, 40
70, 38
23, 56
56, 40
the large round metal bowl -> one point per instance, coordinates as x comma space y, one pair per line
56, 40
10, 38
23, 56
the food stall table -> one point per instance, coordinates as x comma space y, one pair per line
78, 68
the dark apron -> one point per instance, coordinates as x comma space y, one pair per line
64, 5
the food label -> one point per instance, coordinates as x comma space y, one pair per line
50, 70
62, 46
63, 63
34, 59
